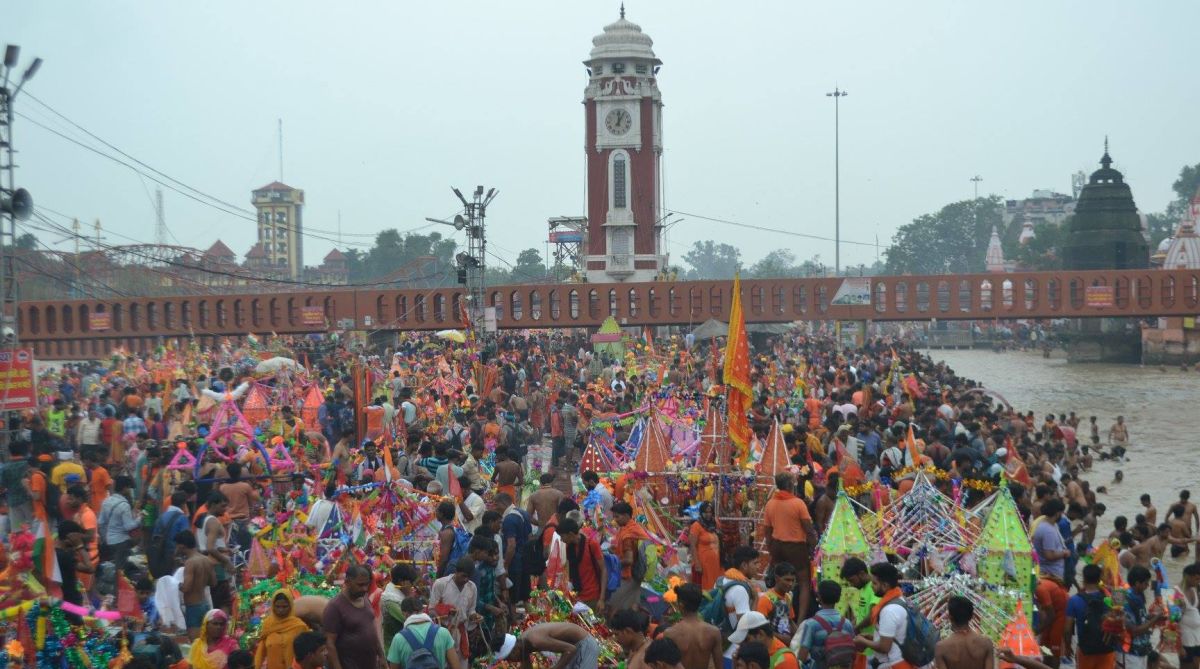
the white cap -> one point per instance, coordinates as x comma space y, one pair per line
510, 642
750, 621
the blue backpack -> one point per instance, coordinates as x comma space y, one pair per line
612, 564
462, 542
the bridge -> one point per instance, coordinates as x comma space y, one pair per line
85, 329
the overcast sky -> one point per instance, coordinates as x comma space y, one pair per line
385, 105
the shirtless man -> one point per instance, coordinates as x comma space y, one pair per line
1118, 434
1151, 512
1156, 545
199, 573
543, 502
699, 641
823, 507
576, 648
964, 648
508, 473
628, 627
1189, 510
1181, 528
341, 453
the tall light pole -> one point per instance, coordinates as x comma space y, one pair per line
16, 204
837, 95
976, 179
472, 263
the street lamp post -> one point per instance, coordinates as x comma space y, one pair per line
837, 95
976, 179
16, 204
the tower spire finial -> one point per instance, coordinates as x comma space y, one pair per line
623, 16
1106, 143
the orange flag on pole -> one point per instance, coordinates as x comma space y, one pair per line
737, 374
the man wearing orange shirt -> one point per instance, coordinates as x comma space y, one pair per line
78, 511
98, 478
755, 628
787, 527
628, 540
1051, 597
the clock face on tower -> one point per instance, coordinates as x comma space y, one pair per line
618, 121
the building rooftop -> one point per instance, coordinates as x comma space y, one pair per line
219, 250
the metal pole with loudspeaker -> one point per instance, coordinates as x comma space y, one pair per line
16, 204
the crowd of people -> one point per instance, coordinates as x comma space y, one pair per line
94, 475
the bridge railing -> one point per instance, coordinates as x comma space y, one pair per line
90, 328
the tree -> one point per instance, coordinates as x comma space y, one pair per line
410, 257
1041, 253
777, 264
710, 260
952, 241
27, 242
529, 267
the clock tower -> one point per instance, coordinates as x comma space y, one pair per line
623, 121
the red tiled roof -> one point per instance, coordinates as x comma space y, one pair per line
219, 250
335, 255
256, 251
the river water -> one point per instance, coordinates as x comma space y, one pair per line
1158, 406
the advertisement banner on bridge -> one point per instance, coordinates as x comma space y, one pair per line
17, 389
312, 316
854, 292
1098, 296
99, 321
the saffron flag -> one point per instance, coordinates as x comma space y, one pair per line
737, 374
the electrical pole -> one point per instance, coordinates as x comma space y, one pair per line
837, 96
471, 264
16, 204
160, 222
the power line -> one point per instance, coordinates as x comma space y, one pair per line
238, 213
791, 233
56, 227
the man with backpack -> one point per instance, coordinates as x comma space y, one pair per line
904, 638
628, 545
733, 596
827, 637
1084, 630
421, 644
755, 628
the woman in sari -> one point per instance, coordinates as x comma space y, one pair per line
279, 629
212, 648
705, 543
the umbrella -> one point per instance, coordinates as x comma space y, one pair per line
452, 335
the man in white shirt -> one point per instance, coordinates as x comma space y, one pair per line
893, 617
472, 505
452, 600
88, 432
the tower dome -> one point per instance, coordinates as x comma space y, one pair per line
1106, 231
1026, 231
623, 39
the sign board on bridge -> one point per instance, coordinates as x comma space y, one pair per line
17, 390
312, 316
1098, 296
853, 292
99, 321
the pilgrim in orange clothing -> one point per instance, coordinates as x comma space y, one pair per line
705, 542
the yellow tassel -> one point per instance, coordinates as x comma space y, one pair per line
41, 632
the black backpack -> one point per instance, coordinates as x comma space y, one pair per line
161, 556
421, 655
1092, 638
456, 442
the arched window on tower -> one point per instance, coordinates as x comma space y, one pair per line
620, 180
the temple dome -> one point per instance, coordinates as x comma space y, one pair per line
1106, 230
